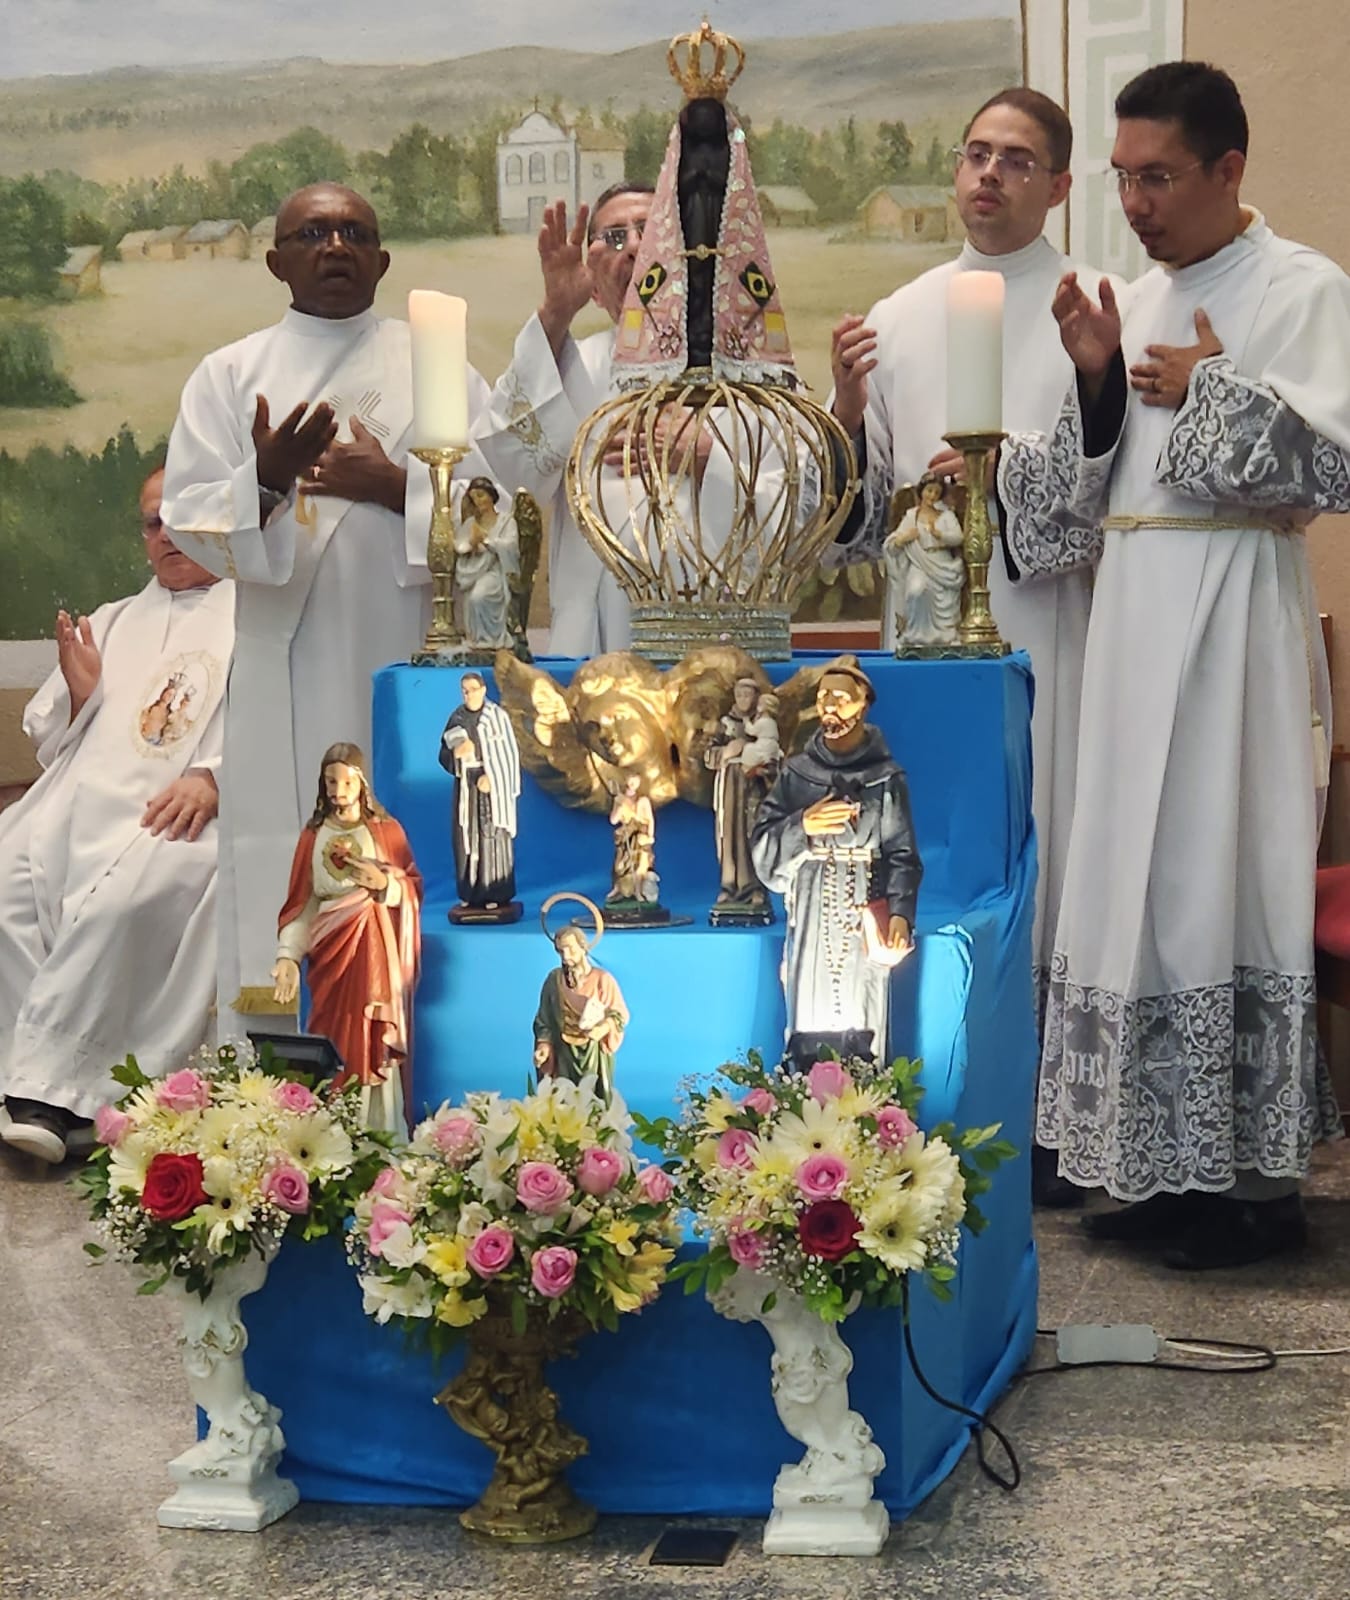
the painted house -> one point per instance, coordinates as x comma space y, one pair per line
911, 211
217, 238
79, 274
540, 160
153, 244
786, 206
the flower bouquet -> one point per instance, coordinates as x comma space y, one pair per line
517, 1225
197, 1179
817, 1194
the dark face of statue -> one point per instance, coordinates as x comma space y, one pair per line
841, 702
327, 251
473, 691
571, 947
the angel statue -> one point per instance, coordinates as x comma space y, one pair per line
580, 1022
809, 1374
487, 557
926, 569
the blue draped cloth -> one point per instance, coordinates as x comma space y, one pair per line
670, 1431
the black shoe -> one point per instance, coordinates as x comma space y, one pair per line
1160, 1218
1235, 1233
1048, 1189
36, 1129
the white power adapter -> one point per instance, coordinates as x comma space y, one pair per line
1133, 1342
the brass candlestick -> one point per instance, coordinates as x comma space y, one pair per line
444, 644
978, 633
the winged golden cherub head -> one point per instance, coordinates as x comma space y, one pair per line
620, 716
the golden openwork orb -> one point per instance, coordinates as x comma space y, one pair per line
721, 500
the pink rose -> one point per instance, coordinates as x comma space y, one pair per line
822, 1177
553, 1269
734, 1147
599, 1170
295, 1097
457, 1136
184, 1091
492, 1250
655, 1186
110, 1124
827, 1080
386, 1181
761, 1101
894, 1126
541, 1187
384, 1218
287, 1187
747, 1247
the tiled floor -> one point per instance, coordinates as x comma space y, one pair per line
1138, 1485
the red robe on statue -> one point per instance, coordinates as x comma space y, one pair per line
363, 960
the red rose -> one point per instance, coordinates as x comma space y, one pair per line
828, 1229
173, 1187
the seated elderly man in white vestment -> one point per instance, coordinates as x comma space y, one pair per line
289, 472
1205, 428
108, 863
554, 382
890, 394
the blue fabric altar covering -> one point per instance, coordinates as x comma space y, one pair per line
676, 1405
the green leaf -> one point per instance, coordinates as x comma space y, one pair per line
95, 1250
939, 1289
129, 1073
770, 1301
155, 1284
518, 1314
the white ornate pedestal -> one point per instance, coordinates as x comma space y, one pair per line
823, 1506
227, 1480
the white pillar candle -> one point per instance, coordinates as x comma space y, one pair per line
975, 353
440, 371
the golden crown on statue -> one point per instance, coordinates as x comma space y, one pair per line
697, 83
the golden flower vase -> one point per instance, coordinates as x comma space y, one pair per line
501, 1397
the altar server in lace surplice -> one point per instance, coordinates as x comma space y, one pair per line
1202, 434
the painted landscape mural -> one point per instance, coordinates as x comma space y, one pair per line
144, 149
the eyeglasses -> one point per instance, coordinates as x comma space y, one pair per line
313, 234
1150, 182
617, 238
1019, 164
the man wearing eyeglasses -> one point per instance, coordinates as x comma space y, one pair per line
288, 471
108, 863
890, 376
1203, 430
553, 384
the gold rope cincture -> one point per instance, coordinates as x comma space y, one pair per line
1128, 524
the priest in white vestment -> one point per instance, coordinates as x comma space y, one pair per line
108, 863
890, 373
554, 382
289, 472
1202, 433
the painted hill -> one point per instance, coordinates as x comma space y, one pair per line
139, 122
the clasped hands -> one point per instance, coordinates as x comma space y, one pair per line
1090, 334
306, 451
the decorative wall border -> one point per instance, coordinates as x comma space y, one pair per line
1081, 52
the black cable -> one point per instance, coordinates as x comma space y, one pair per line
982, 1422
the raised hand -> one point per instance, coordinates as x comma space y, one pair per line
852, 356
1165, 376
357, 471
1088, 331
830, 815
77, 656
184, 808
289, 450
563, 259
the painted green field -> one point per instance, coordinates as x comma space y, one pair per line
129, 349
